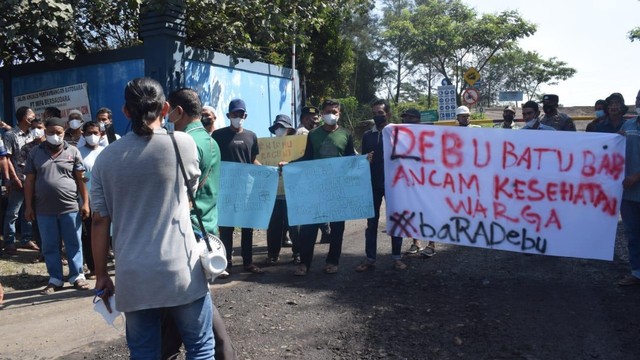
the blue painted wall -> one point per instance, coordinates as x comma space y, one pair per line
105, 84
265, 88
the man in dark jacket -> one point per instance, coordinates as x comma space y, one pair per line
373, 147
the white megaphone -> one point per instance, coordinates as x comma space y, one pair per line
213, 260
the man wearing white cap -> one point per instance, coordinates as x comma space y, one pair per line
508, 116
74, 127
462, 115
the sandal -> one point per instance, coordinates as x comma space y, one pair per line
253, 269
367, 265
331, 269
50, 289
301, 270
81, 284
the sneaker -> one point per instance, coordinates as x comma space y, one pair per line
287, 242
629, 280
367, 265
414, 249
296, 259
399, 265
428, 252
271, 260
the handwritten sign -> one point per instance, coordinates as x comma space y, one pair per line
247, 195
273, 150
65, 98
551, 193
327, 190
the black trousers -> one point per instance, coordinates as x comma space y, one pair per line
308, 234
246, 243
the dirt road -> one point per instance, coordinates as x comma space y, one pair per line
463, 303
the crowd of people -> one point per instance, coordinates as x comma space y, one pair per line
76, 188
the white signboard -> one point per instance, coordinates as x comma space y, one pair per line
447, 102
541, 192
64, 98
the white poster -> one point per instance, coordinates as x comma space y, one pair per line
65, 98
542, 192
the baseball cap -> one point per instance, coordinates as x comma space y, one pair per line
236, 105
309, 110
510, 108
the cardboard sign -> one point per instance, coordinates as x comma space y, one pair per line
542, 192
327, 190
273, 150
247, 195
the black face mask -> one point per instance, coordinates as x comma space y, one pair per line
548, 108
379, 119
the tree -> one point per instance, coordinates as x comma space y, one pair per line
452, 37
527, 71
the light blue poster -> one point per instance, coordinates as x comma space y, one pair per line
327, 190
247, 195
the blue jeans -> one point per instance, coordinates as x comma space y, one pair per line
14, 203
630, 211
371, 234
69, 228
194, 324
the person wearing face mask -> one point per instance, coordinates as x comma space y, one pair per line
208, 119
279, 223
600, 109
552, 117
372, 145
508, 116
37, 131
14, 140
74, 127
327, 141
54, 182
238, 144
616, 109
531, 117
89, 151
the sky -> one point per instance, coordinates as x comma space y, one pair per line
590, 36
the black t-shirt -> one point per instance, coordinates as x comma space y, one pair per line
236, 147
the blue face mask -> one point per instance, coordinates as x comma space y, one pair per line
599, 113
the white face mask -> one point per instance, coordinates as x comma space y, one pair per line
92, 139
236, 122
281, 132
54, 139
75, 124
37, 133
330, 119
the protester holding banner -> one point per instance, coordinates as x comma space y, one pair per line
327, 141
240, 145
531, 117
616, 109
630, 207
600, 111
278, 223
372, 146
462, 116
552, 117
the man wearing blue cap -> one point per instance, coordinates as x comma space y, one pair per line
238, 144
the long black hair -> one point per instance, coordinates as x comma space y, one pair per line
144, 99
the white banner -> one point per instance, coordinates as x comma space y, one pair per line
65, 98
543, 192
